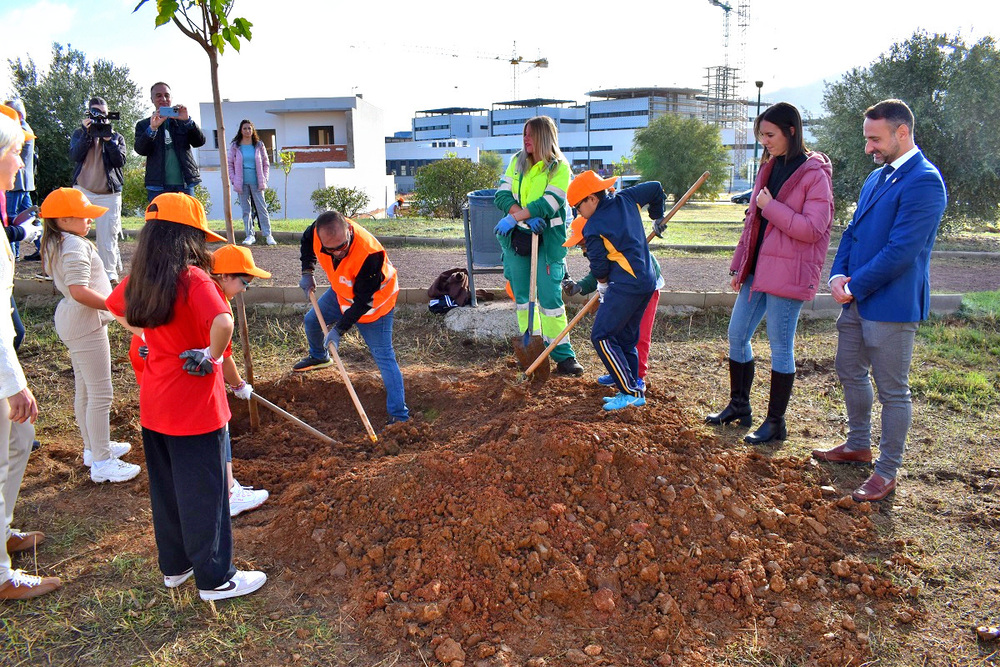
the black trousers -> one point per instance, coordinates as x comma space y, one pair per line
190, 501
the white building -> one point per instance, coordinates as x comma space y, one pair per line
337, 141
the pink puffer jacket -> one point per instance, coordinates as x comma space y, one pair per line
797, 235
235, 159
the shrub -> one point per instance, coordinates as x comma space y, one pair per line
271, 201
202, 195
349, 201
134, 196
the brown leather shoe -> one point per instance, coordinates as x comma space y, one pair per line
874, 489
22, 586
841, 454
19, 541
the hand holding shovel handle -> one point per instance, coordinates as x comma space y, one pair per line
593, 300
343, 371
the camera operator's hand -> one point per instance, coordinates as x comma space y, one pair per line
182, 113
156, 120
86, 123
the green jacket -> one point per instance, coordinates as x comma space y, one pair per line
543, 192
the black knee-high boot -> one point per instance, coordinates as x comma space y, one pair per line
773, 427
740, 381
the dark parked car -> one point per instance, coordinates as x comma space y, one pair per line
741, 197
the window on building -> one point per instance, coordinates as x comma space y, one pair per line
270, 141
320, 135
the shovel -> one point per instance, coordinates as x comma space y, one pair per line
528, 348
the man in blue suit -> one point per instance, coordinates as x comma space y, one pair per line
881, 275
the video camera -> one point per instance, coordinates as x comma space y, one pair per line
100, 123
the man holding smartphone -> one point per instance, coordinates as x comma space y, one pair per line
166, 139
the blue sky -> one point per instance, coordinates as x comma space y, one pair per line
404, 56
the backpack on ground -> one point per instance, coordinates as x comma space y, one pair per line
450, 290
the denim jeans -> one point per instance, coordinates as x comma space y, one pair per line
782, 318
246, 193
154, 192
377, 336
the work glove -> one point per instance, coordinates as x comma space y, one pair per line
307, 284
332, 337
505, 226
199, 362
538, 225
659, 226
32, 232
570, 287
601, 289
243, 391
143, 351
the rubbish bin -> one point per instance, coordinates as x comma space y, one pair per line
482, 250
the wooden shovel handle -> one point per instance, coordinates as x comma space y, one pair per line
292, 418
343, 371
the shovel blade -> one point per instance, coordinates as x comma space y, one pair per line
526, 355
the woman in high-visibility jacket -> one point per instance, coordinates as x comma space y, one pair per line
532, 193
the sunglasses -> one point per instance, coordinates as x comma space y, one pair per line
246, 283
340, 248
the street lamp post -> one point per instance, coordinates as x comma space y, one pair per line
759, 84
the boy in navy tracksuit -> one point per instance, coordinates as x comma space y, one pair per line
621, 262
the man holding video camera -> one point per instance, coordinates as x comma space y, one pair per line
99, 153
166, 139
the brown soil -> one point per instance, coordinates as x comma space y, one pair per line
545, 527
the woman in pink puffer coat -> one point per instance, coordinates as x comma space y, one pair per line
777, 264
249, 168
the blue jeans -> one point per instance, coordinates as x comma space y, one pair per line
153, 192
17, 201
782, 318
377, 336
246, 193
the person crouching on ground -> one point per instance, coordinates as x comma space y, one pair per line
363, 291
233, 269
81, 320
621, 263
171, 300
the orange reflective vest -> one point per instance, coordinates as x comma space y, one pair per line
342, 277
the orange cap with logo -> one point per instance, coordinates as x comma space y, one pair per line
236, 259
182, 209
11, 113
70, 203
576, 231
585, 184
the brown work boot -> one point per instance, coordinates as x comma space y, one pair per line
22, 586
20, 541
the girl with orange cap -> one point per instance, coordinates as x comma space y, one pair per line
81, 321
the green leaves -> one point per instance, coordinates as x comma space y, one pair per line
205, 21
676, 151
441, 187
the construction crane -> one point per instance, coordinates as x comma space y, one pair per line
517, 61
725, 94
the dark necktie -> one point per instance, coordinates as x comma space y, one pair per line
884, 176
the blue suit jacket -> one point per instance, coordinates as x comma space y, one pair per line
886, 249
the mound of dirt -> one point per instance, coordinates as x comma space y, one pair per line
512, 524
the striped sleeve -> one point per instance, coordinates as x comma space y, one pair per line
504, 197
553, 200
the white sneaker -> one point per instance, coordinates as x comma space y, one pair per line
118, 450
175, 580
242, 583
113, 470
245, 498
250, 240
270, 240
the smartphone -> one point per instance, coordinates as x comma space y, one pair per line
168, 112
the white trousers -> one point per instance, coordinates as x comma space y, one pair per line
109, 227
15, 447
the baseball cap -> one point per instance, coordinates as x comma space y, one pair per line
12, 114
585, 184
576, 231
70, 203
236, 259
182, 209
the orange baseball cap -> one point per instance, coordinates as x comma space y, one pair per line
11, 113
70, 203
585, 184
576, 231
182, 209
236, 259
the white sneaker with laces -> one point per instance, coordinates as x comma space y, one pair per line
245, 498
175, 580
118, 450
113, 470
242, 583
270, 240
250, 240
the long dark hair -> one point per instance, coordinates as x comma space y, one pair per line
789, 121
254, 139
163, 253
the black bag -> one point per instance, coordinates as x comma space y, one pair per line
520, 241
449, 290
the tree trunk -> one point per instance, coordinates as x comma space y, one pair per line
227, 212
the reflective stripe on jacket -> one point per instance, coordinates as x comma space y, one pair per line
342, 276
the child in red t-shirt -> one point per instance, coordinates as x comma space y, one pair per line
171, 300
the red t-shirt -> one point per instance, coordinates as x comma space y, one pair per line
171, 400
